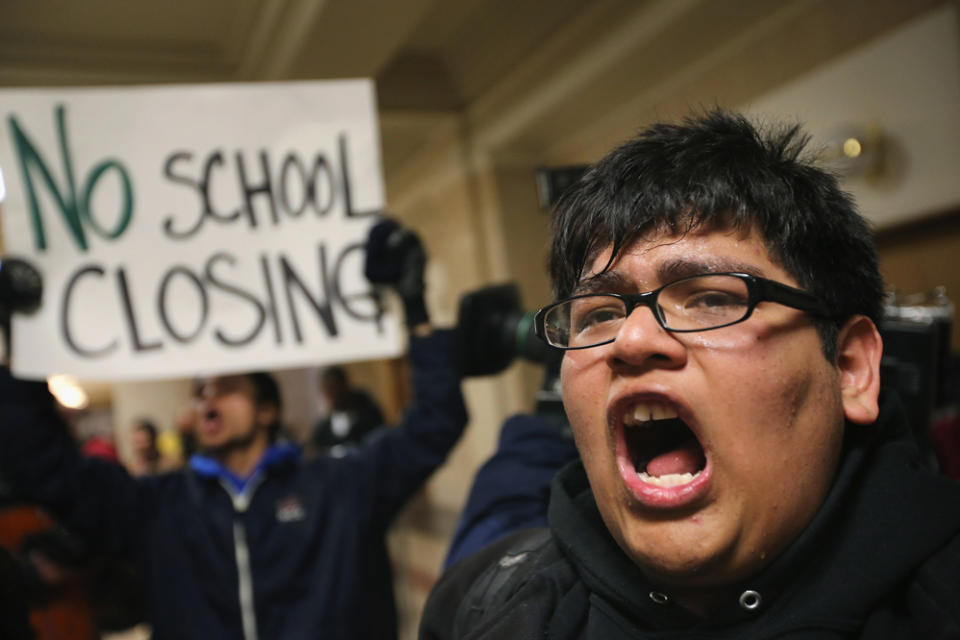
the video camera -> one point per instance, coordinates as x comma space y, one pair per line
493, 330
916, 360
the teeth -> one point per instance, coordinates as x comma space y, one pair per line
668, 480
645, 412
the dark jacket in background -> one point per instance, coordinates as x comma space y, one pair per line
881, 559
511, 490
309, 535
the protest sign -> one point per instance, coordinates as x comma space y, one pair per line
191, 229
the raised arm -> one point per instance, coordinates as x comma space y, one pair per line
403, 457
398, 460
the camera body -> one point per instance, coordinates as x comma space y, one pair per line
493, 330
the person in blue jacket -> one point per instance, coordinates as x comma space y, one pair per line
251, 540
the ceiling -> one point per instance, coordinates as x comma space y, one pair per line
426, 55
451, 50
514, 71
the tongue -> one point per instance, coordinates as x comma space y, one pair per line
688, 459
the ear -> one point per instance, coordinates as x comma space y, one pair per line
859, 348
267, 415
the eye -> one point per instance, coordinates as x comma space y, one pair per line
716, 300
590, 314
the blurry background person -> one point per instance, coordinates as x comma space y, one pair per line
251, 540
101, 445
146, 456
44, 575
353, 413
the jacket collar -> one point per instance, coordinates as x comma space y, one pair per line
277, 455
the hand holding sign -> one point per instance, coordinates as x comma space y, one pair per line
396, 257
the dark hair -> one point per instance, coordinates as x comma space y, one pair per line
718, 172
267, 393
147, 425
336, 373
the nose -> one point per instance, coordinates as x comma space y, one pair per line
641, 341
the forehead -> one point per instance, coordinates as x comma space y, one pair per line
657, 259
222, 385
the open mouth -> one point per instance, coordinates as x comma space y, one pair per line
210, 419
662, 448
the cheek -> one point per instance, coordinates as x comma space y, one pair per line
238, 412
578, 379
785, 413
720, 341
767, 382
585, 386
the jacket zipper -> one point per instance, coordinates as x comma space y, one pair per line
241, 501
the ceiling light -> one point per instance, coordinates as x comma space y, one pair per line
68, 392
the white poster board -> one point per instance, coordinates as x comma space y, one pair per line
191, 229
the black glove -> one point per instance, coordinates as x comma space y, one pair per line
395, 257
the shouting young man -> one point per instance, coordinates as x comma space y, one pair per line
742, 476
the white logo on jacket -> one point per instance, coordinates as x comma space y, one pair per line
290, 510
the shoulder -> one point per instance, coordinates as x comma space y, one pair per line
926, 604
936, 588
173, 487
526, 566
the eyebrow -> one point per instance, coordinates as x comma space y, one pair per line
671, 270
605, 282
667, 272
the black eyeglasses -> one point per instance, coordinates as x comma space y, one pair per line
696, 303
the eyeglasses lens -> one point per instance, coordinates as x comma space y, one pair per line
691, 304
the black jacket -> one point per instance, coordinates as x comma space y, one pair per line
881, 559
310, 532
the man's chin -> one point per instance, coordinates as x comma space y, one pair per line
691, 574
688, 566
208, 449
221, 447
217, 449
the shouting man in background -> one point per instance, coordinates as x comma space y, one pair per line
252, 541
